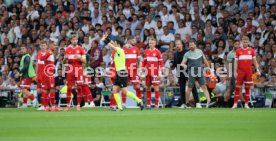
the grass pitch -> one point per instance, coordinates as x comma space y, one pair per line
100, 124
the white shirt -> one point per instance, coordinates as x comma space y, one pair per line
55, 34
167, 38
159, 33
164, 19
85, 28
184, 32
148, 25
126, 12
43, 3
33, 14
86, 47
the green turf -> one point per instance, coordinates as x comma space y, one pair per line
100, 124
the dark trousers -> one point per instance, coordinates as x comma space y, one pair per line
182, 84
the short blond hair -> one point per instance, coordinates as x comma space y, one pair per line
245, 38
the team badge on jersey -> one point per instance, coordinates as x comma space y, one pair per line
78, 52
249, 52
154, 54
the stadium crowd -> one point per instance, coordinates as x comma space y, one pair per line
214, 24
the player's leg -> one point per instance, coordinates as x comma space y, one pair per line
148, 91
85, 91
85, 95
70, 83
117, 97
25, 84
136, 84
52, 95
239, 82
202, 83
42, 98
191, 82
182, 89
248, 85
157, 95
79, 82
124, 96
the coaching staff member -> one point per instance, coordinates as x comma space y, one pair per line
182, 79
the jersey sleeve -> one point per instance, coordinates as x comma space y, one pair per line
204, 58
185, 57
228, 58
82, 51
138, 52
253, 53
237, 55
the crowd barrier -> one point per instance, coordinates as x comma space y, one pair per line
10, 97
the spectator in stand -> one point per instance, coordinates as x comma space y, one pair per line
29, 22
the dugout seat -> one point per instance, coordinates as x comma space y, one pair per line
62, 95
105, 92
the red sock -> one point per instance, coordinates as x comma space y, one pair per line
89, 94
246, 95
43, 98
123, 98
25, 100
112, 101
138, 93
148, 98
237, 95
31, 97
157, 96
79, 95
52, 99
47, 100
85, 93
68, 95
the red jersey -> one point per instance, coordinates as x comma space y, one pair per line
71, 53
40, 66
49, 64
131, 57
244, 57
153, 58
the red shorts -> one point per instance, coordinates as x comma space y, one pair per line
25, 83
87, 80
244, 77
48, 83
152, 80
112, 75
133, 77
73, 80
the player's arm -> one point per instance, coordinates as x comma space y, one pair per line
83, 56
113, 46
255, 62
83, 59
256, 65
205, 61
184, 61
